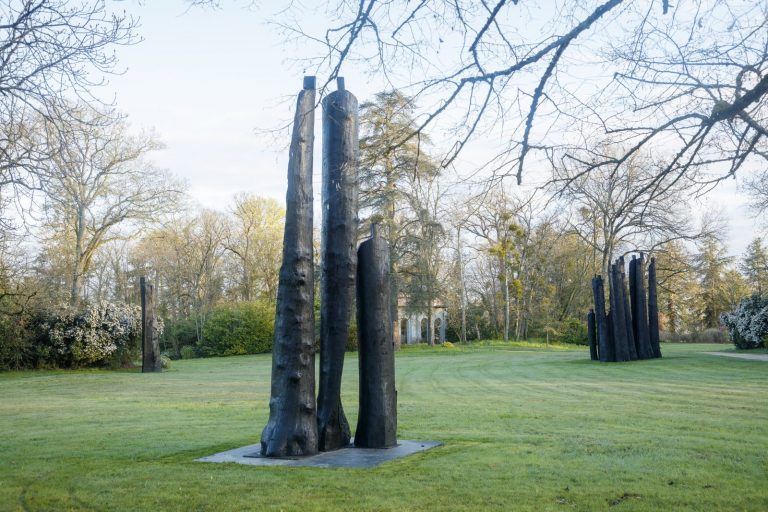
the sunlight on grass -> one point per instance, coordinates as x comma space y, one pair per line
524, 428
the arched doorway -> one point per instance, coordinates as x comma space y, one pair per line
404, 331
423, 330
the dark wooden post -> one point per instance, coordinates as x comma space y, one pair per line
619, 314
292, 426
591, 335
603, 337
630, 339
633, 295
377, 414
339, 260
653, 310
643, 342
150, 347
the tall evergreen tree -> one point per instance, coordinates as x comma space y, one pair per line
754, 266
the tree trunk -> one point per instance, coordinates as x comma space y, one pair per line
150, 348
377, 416
339, 260
462, 289
292, 426
430, 333
394, 293
653, 310
506, 300
77, 264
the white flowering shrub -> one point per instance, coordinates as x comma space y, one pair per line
102, 333
748, 323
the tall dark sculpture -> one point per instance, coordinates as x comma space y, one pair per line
640, 318
632, 325
653, 310
601, 320
633, 294
339, 259
377, 415
619, 315
630, 339
292, 426
150, 348
591, 335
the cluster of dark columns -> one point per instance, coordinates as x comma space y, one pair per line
298, 425
629, 330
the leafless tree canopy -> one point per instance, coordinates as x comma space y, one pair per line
687, 80
50, 50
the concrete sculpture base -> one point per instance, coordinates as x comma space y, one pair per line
349, 457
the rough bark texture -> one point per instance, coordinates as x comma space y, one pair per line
611, 353
292, 426
339, 260
150, 347
633, 295
601, 320
642, 340
630, 339
653, 310
591, 335
617, 318
377, 415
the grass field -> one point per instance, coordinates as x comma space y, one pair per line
523, 429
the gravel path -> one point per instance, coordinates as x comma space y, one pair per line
753, 357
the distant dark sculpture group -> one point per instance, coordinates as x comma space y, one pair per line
297, 425
630, 329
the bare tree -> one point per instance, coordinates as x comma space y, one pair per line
495, 224
255, 237
97, 181
687, 78
50, 50
632, 209
185, 258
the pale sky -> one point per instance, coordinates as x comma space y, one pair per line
208, 80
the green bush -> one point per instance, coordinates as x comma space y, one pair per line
165, 362
351, 345
16, 347
711, 335
177, 334
571, 330
748, 322
242, 328
188, 352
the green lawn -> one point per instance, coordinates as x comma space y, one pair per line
536, 429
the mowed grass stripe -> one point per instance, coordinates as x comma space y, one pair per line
531, 429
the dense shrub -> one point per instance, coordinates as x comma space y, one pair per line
177, 334
351, 345
668, 336
106, 333
243, 328
187, 352
748, 322
712, 335
573, 331
16, 348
